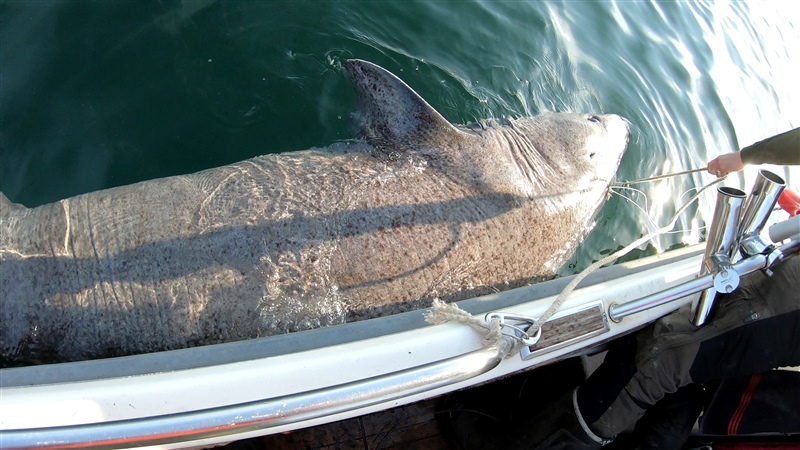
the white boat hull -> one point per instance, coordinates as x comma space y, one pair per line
215, 394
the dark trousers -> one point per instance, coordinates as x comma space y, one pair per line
754, 329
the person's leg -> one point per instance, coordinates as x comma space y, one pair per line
754, 329
768, 337
641, 369
667, 424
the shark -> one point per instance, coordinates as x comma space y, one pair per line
413, 208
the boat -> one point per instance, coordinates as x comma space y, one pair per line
207, 396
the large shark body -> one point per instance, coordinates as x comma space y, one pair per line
414, 209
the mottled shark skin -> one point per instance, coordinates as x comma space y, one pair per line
413, 209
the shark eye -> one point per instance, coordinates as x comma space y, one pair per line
593, 118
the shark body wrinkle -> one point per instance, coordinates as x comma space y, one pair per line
413, 209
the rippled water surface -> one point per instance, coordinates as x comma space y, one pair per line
101, 94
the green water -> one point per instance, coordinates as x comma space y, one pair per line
101, 94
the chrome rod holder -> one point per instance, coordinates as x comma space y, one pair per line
757, 208
759, 204
786, 230
721, 243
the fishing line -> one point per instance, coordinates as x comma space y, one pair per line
615, 191
614, 188
561, 298
444, 312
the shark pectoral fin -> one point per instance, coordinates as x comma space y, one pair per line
392, 117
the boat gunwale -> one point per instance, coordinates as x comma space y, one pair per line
272, 346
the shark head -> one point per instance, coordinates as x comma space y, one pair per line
567, 148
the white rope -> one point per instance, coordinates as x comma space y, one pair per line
442, 312
562, 297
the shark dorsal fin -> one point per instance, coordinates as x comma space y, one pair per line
391, 116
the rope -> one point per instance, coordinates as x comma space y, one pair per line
442, 312
562, 297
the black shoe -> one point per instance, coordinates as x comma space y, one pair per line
668, 423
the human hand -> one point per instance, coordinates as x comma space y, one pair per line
725, 164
